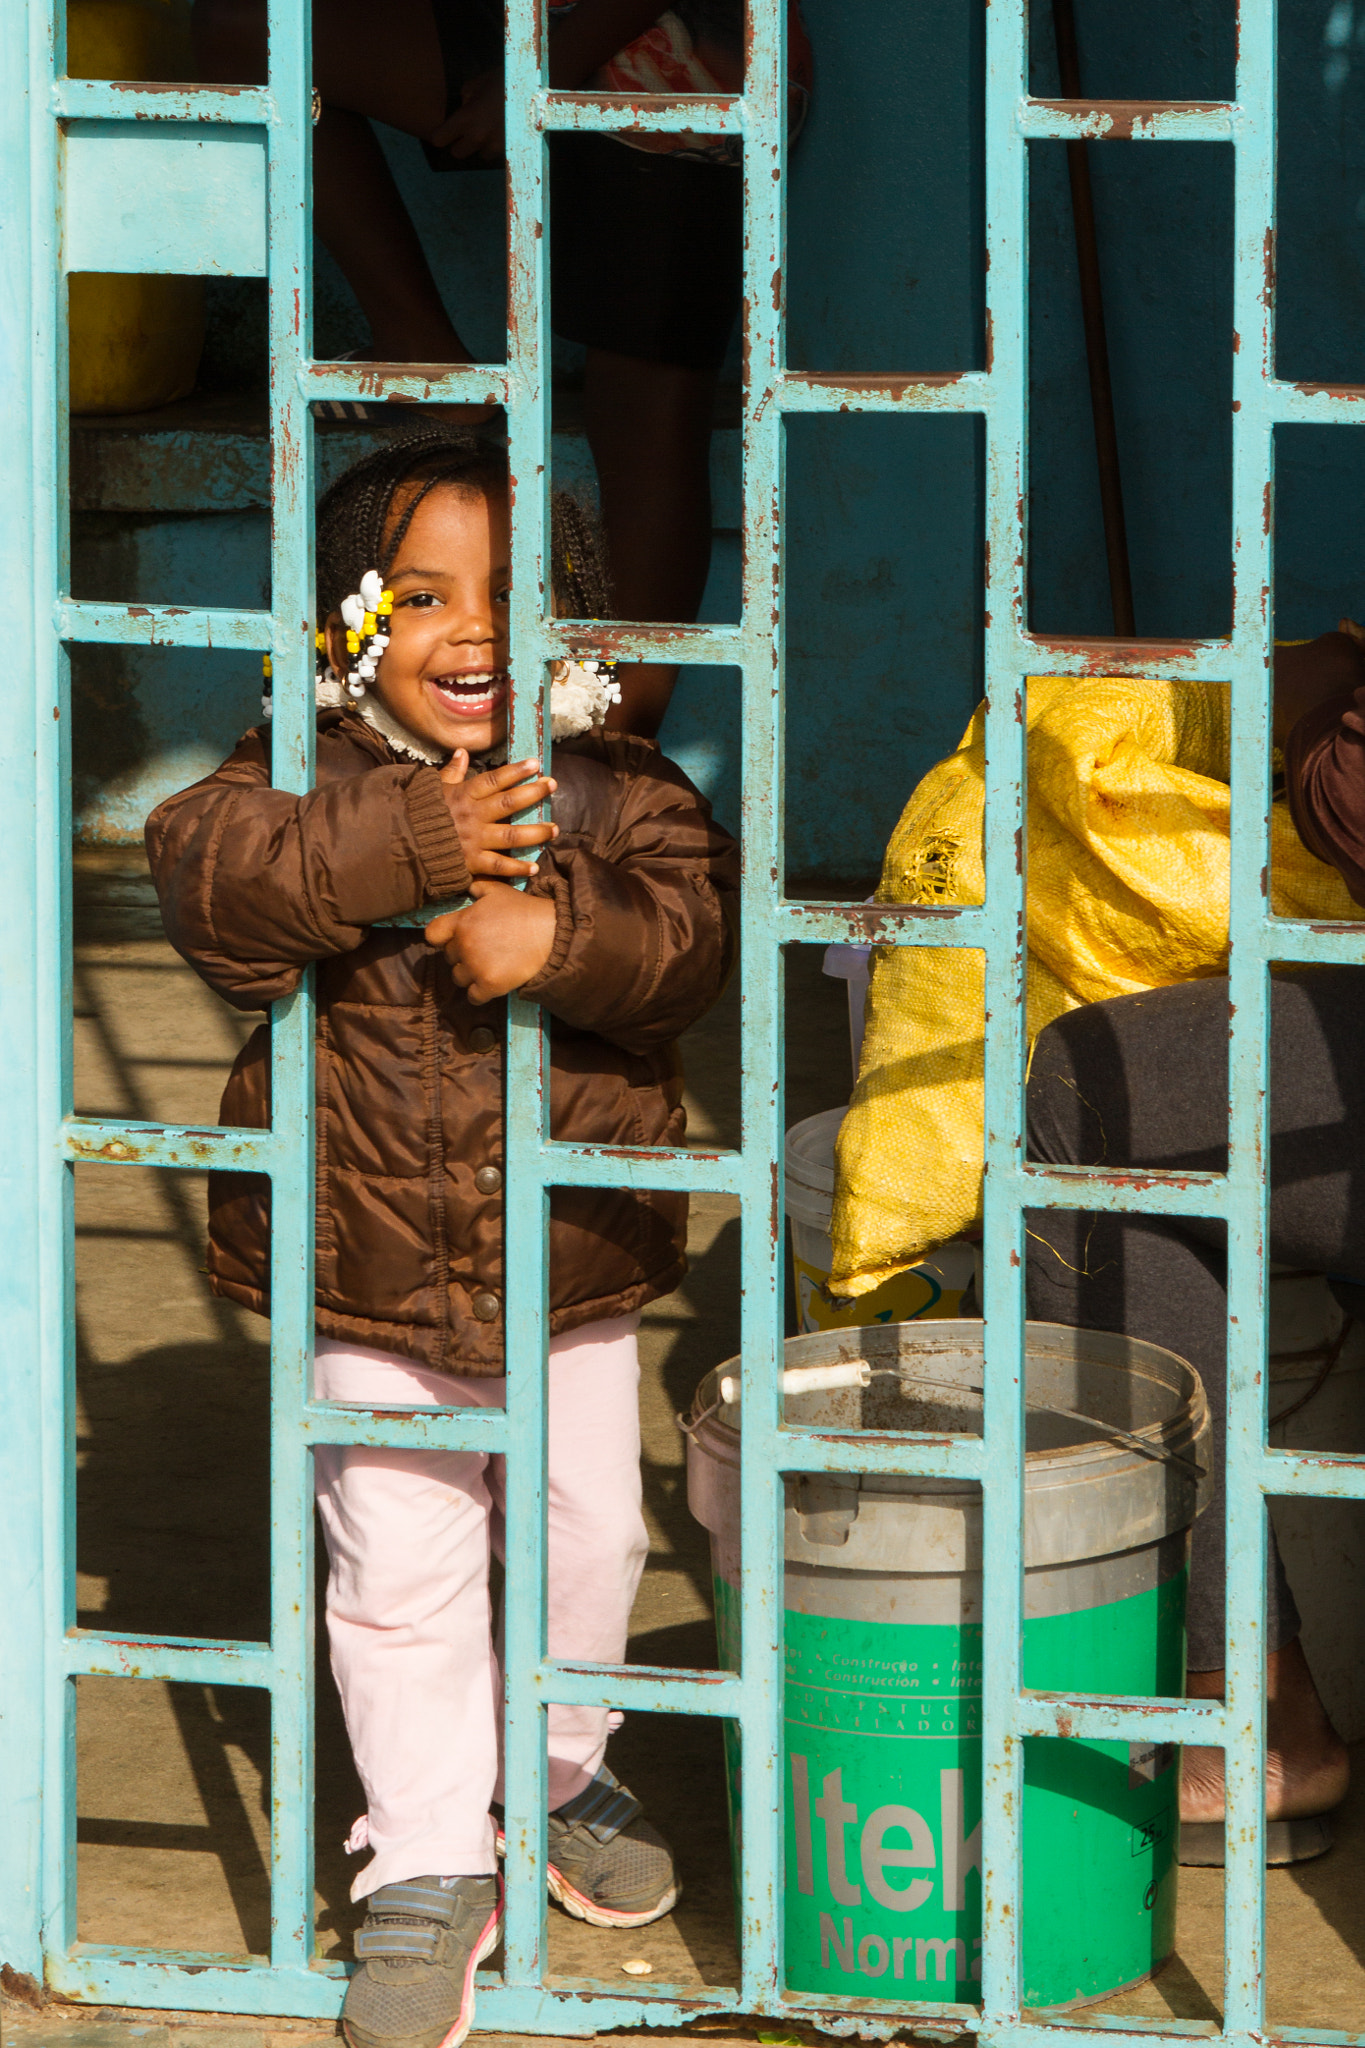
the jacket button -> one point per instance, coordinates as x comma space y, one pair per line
486, 1306
488, 1180
481, 1039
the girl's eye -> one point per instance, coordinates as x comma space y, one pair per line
424, 598
503, 596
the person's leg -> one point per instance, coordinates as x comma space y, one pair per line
1143, 1082
649, 429
396, 76
646, 255
596, 1535
598, 1542
409, 1625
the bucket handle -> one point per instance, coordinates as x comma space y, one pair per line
1110, 1429
797, 1379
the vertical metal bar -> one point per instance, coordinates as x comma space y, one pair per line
1003, 1302
32, 1446
1252, 479
526, 1212
292, 1101
762, 1025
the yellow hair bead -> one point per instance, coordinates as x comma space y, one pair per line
320, 642
352, 641
266, 669
371, 624
385, 605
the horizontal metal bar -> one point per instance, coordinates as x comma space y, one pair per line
414, 383
1122, 1719
99, 1975
1317, 405
187, 1660
113, 1141
1313, 1475
643, 1688
1137, 2033
879, 924
642, 112
1332, 2036
94, 1974
118, 99
412, 1429
1141, 1193
880, 391
1329, 945
869, 2019
709, 645
1130, 120
162, 625
604, 1166
1037, 654
904, 1455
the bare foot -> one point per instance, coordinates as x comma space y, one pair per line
1307, 1769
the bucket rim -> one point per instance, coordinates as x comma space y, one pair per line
1059, 1465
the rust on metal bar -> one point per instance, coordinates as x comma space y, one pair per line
1128, 120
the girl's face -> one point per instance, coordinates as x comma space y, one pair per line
444, 672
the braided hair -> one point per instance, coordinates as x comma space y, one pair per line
356, 528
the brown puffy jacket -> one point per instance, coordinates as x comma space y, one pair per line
254, 883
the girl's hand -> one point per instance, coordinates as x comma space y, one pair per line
475, 128
499, 943
478, 807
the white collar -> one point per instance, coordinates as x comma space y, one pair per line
580, 697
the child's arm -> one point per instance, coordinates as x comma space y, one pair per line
643, 935
255, 883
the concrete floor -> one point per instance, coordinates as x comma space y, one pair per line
172, 1520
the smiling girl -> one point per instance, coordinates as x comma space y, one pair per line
623, 932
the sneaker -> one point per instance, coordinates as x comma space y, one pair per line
606, 1864
418, 1949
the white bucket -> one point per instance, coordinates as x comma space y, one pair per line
930, 1291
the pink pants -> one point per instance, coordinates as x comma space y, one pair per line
409, 1535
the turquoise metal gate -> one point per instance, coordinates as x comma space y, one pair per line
141, 178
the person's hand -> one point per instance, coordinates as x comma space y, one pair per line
480, 805
499, 943
475, 129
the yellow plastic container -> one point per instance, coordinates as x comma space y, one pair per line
135, 341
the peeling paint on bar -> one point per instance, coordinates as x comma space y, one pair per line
42, 1139
1130, 120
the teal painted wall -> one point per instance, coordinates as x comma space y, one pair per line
884, 518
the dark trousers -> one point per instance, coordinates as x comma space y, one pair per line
1142, 1081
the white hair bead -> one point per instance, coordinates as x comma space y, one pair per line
371, 589
353, 612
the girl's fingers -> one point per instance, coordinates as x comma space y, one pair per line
515, 788
524, 797
457, 767
497, 864
506, 777
521, 835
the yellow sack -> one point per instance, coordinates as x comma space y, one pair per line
1128, 846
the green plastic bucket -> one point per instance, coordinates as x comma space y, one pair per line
882, 1762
